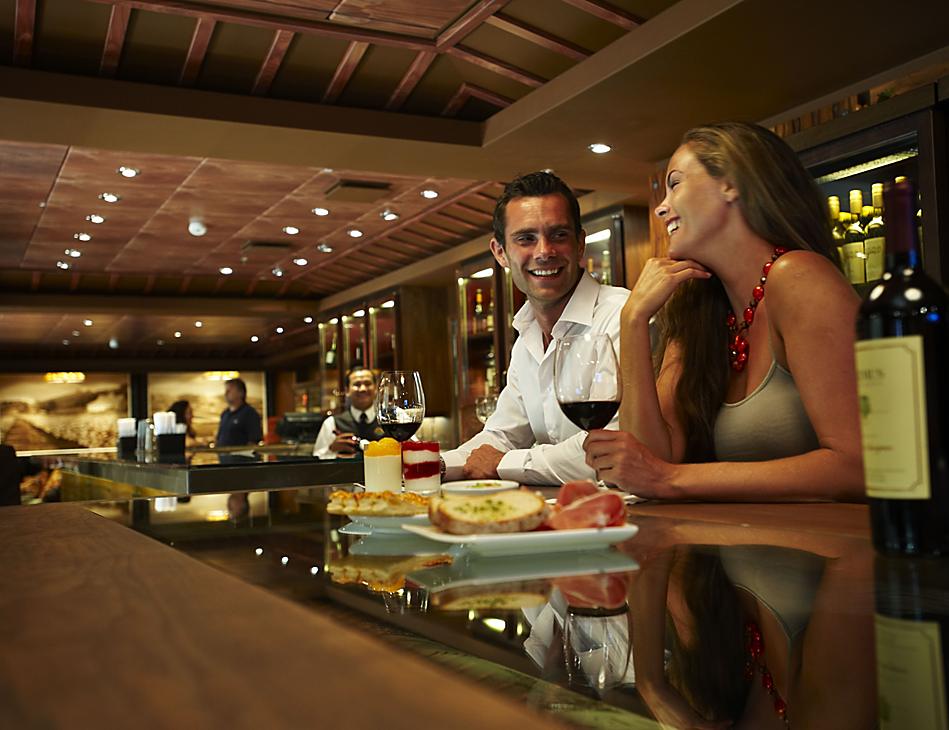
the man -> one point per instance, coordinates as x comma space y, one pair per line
537, 235
240, 423
341, 433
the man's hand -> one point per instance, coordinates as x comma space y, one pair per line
344, 443
483, 463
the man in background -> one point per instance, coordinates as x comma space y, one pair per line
342, 433
240, 423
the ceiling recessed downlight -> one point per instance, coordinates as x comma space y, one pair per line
109, 197
177, 334
95, 218
354, 233
254, 338
429, 194
75, 333
197, 228
599, 148
198, 323
359, 313
82, 236
389, 215
324, 248
300, 261
73, 252
321, 211
308, 320
226, 270
388, 304
335, 320
277, 271
62, 265
291, 230
279, 330
87, 322
125, 171
483, 273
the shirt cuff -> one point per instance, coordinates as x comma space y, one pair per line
454, 464
512, 464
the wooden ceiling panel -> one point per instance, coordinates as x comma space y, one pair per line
314, 10
307, 67
509, 48
69, 36
376, 77
234, 56
422, 18
156, 45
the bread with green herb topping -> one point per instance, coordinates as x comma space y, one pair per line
517, 510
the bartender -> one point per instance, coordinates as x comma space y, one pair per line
342, 433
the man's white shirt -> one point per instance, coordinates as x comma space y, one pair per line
540, 445
327, 434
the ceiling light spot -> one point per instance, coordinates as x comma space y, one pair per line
73, 253
226, 270
279, 330
82, 237
300, 261
177, 334
429, 194
388, 304
277, 271
198, 323
335, 320
599, 148
160, 343
65, 342
109, 197
197, 228
484, 273
308, 320
87, 322
130, 172
324, 248
95, 218
291, 230
62, 265
354, 233
321, 211
254, 338
113, 343
75, 333
389, 215
359, 313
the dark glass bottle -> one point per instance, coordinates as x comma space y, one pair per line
902, 365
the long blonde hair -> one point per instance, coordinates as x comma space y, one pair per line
780, 203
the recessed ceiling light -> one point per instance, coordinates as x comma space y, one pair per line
73, 252
291, 230
389, 215
279, 330
300, 261
65, 342
127, 171
177, 334
324, 248
359, 313
429, 194
62, 265
75, 333
95, 218
197, 228
321, 211
599, 148
277, 271
226, 270
603, 235
82, 237
254, 338
160, 343
87, 322
388, 304
354, 233
308, 320
484, 273
198, 323
113, 343
335, 320
109, 197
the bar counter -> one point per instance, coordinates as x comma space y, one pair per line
278, 614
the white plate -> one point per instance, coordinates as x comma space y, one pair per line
371, 524
471, 486
523, 543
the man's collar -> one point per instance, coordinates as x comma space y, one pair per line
356, 413
579, 309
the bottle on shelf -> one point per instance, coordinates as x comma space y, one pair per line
902, 356
874, 245
489, 320
477, 322
853, 250
331, 353
490, 373
837, 228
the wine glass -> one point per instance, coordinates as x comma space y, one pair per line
587, 380
400, 403
485, 406
596, 647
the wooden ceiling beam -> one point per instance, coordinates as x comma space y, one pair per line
274, 22
608, 12
185, 282
35, 280
271, 64
462, 221
203, 29
150, 305
452, 234
437, 242
535, 35
24, 26
74, 281
468, 23
345, 70
114, 40
410, 80
472, 209
468, 91
496, 65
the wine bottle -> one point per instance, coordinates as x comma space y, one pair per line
902, 357
331, 353
912, 627
837, 228
489, 320
478, 320
874, 245
854, 237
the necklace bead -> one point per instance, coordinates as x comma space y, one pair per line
738, 347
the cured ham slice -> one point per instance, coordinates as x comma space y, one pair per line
572, 491
601, 508
595, 591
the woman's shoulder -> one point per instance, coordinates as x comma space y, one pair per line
802, 279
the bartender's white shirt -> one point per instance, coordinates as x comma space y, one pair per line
327, 434
541, 445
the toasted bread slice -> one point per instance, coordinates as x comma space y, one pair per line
513, 511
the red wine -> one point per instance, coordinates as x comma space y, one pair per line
902, 360
590, 414
400, 431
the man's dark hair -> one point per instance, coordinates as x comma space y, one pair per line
360, 369
534, 185
239, 384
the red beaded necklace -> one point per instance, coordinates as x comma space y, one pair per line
738, 344
755, 646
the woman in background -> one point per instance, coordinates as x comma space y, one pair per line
754, 397
184, 414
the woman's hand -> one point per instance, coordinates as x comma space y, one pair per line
656, 283
620, 458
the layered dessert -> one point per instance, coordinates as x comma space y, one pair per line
382, 462
421, 467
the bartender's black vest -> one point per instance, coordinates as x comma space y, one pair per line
345, 423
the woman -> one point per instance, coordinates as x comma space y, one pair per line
184, 414
755, 396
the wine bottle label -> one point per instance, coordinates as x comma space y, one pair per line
874, 248
854, 255
891, 384
910, 683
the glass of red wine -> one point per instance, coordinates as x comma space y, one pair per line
400, 403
